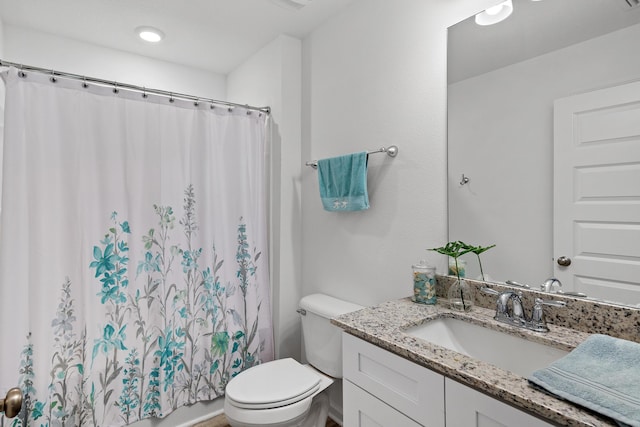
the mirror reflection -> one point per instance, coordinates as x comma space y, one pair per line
508, 155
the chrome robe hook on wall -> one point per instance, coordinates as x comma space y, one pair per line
464, 180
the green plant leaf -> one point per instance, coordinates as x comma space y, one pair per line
480, 249
454, 249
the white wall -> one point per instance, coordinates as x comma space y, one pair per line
1, 37
38, 49
501, 137
374, 76
273, 77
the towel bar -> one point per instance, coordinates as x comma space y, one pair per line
391, 151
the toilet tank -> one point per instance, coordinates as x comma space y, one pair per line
322, 340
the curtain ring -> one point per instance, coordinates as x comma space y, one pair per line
230, 109
21, 73
211, 106
115, 87
53, 79
171, 98
84, 82
144, 92
197, 102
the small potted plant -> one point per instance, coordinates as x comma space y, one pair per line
460, 293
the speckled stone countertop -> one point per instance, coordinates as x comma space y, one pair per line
384, 326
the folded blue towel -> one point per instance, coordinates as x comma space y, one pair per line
602, 374
343, 182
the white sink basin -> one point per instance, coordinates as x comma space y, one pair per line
500, 349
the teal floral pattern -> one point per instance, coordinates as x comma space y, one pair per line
173, 330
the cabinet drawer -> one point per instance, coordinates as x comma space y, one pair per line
470, 408
412, 389
363, 410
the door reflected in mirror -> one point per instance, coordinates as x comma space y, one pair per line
503, 82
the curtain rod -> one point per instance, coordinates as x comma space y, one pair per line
141, 89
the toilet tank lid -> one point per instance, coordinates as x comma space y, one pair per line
327, 306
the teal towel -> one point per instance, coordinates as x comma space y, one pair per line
343, 182
602, 374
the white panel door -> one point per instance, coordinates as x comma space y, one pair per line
597, 192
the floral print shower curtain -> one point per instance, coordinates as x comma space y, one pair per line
133, 251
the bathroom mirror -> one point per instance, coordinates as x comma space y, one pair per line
503, 80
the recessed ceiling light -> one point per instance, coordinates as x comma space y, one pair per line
495, 14
150, 34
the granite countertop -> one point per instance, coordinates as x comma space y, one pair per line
384, 326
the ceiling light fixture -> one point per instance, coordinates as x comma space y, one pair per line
495, 14
150, 34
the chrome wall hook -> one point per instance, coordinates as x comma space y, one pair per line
464, 180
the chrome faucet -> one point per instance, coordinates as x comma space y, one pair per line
509, 310
551, 285
510, 313
554, 285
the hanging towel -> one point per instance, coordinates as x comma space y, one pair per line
602, 374
343, 182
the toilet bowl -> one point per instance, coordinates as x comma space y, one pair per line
284, 392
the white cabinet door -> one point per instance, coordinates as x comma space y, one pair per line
596, 199
363, 410
408, 387
470, 408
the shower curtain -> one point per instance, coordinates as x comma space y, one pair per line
133, 251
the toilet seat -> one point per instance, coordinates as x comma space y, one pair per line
274, 416
272, 385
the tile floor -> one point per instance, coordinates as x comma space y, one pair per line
221, 421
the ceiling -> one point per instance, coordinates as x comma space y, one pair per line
534, 28
214, 35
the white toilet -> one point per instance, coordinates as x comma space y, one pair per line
284, 392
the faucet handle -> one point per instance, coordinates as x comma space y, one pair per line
550, 302
516, 284
489, 291
537, 314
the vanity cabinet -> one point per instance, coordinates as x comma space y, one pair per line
470, 408
384, 389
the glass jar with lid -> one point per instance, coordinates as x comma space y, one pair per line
424, 283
